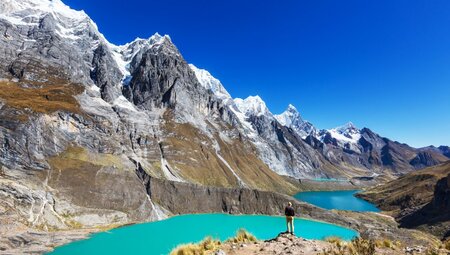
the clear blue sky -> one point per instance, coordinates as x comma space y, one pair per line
381, 64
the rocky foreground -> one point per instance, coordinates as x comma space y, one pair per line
283, 244
290, 244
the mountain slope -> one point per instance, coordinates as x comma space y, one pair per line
418, 200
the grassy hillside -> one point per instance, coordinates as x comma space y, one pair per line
417, 200
412, 190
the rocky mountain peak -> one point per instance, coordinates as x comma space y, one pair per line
289, 117
291, 108
445, 150
156, 38
125, 54
347, 128
346, 136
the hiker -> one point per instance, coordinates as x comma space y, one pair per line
290, 213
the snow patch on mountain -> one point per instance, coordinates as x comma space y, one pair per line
26, 8
70, 22
122, 102
252, 106
346, 136
210, 82
347, 133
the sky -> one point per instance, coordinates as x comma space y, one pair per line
381, 64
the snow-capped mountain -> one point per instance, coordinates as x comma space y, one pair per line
345, 136
291, 118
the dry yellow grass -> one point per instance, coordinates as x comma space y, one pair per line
413, 189
242, 236
447, 244
333, 240
40, 98
356, 247
210, 245
207, 246
362, 246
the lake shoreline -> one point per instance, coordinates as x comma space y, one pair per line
69, 236
337, 199
272, 204
219, 225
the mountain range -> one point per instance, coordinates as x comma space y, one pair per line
84, 122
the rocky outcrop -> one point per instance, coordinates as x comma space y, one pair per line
424, 159
282, 244
289, 244
105, 73
433, 217
445, 150
441, 200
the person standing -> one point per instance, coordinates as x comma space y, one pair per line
289, 212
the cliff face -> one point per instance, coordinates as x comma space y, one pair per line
185, 198
434, 216
441, 200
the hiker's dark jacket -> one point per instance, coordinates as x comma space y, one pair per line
289, 211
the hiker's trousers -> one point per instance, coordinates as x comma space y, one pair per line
290, 224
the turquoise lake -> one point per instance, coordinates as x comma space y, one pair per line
341, 200
161, 237
329, 180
